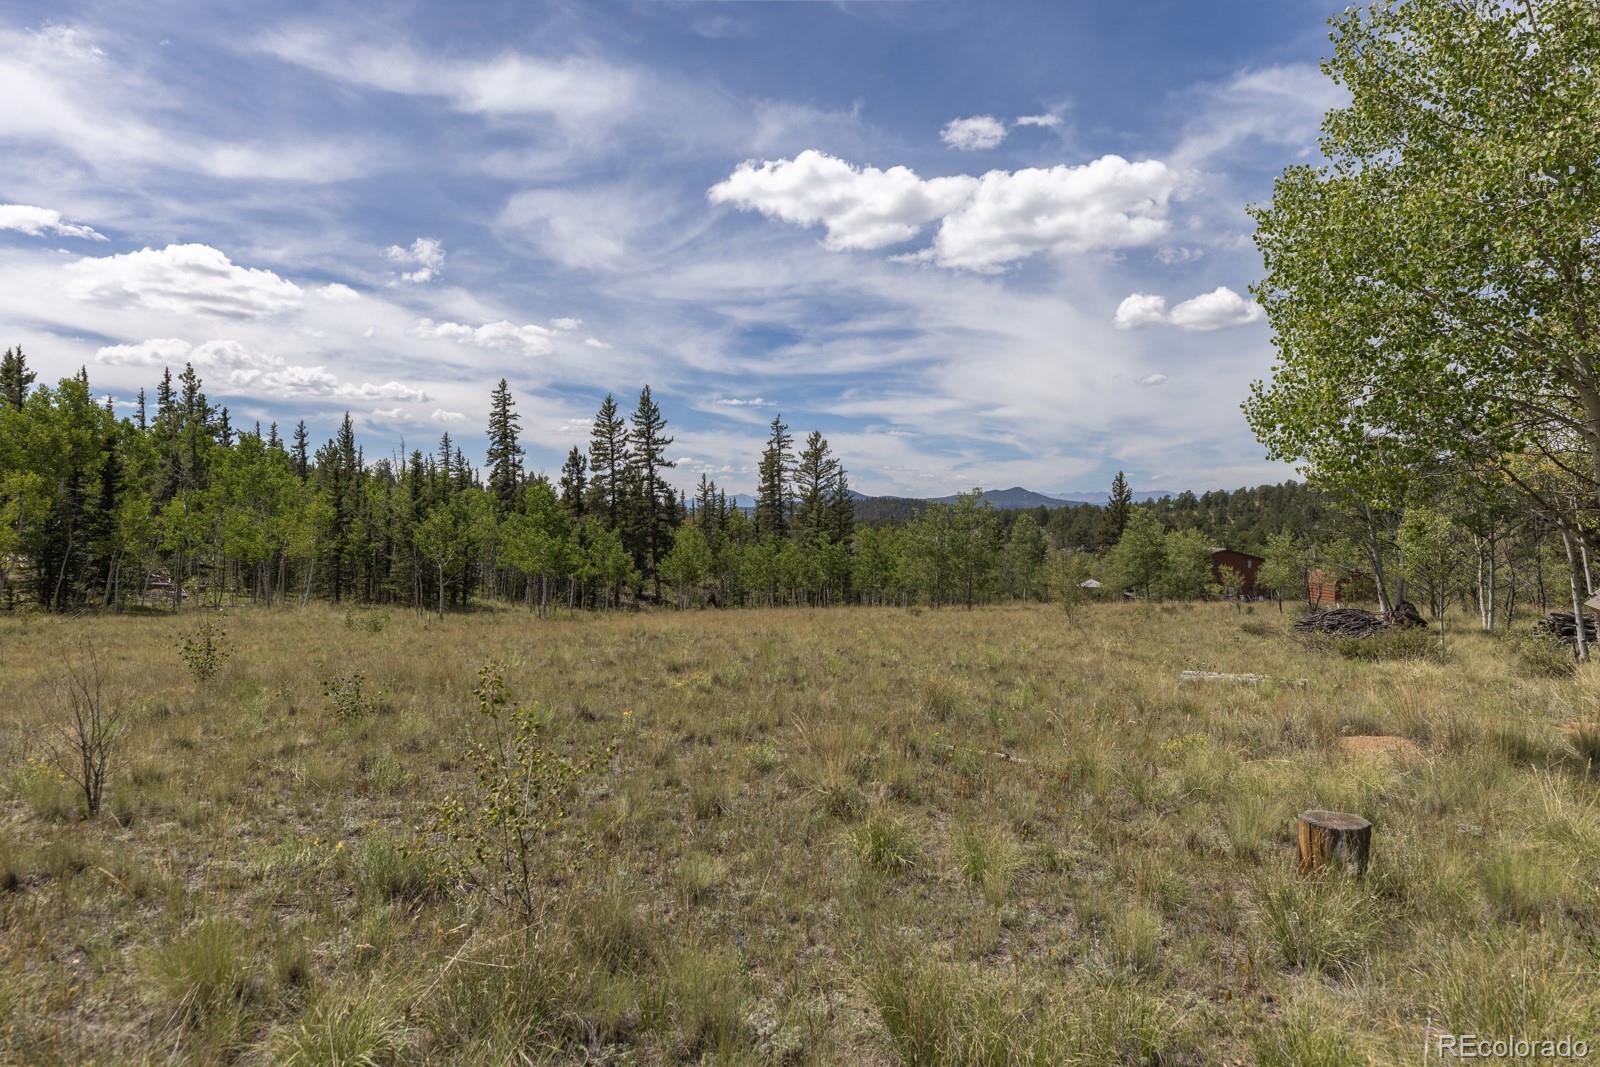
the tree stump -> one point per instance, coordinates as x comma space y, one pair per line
1334, 837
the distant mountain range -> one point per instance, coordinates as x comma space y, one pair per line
1014, 499
874, 509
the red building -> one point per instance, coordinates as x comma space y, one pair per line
1236, 572
1324, 590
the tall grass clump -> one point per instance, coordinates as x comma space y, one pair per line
363, 1029
203, 973
885, 843
1326, 923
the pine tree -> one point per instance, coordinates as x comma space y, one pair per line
1118, 508
224, 428
608, 460
15, 378
505, 454
139, 411
274, 442
302, 458
574, 482
656, 507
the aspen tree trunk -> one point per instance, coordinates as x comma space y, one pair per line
1582, 643
1375, 552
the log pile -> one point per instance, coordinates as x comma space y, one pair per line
1341, 622
1563, 624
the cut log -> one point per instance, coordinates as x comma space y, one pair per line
1237, 679
1334, 837
1214, 676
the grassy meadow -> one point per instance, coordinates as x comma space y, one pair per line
869, 836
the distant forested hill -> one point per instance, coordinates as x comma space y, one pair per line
1241, 519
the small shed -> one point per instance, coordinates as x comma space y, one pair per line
1236, 571
1324, 589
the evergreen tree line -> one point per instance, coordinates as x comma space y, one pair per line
174, 503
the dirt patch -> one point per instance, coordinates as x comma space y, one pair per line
1381, 746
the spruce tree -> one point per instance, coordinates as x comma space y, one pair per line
708, 516
772, 492
608, 460
505, 454
1118, 508
15, 378
166, 399
814, 478
446, 455
841, 509
656, 505
139, 411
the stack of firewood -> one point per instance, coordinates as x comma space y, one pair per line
1563, 624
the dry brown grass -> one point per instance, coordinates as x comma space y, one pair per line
852, 835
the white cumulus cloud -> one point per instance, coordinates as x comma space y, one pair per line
985, 223
973, 134
1216, 310
1109, 203
861, 207
441, 415
1038, 120
1153, 379
426, 254
1140, 309
594, 342
566, 323
531, 340
190, 279
38, 221
338, 293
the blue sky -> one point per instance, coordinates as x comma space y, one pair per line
974, 244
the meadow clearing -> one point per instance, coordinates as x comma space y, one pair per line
807, 837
